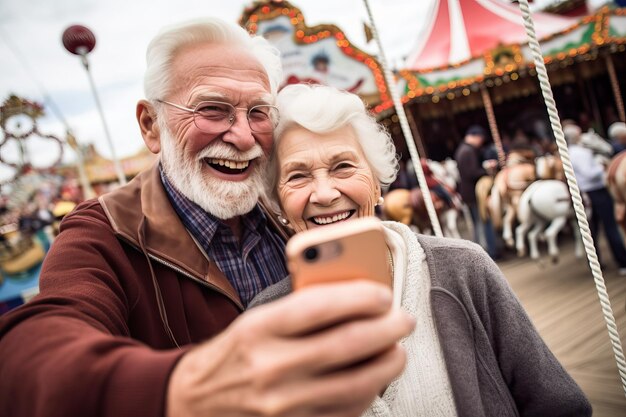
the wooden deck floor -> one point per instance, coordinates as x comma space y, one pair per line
562, 302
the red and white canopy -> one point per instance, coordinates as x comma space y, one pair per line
458, 30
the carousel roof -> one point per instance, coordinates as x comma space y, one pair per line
459, 30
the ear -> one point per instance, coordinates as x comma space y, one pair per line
146, 117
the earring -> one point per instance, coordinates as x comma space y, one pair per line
380, 201
283, 221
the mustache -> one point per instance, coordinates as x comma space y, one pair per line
221, 150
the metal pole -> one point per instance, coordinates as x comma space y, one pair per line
406, 130
493, 126
420, 143
616, 90
116, 162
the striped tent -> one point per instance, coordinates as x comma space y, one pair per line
459, 30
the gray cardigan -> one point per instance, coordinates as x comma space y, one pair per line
497, 363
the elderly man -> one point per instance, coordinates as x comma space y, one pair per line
590, 177
142, 294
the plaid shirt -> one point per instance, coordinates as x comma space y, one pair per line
250, 265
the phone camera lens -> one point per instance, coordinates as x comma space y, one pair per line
311, 254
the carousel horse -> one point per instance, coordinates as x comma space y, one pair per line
550, 167
508, 186
408, 206
545, 203
598, 145
616, 184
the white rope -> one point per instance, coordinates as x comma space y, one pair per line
406, 130
574, 191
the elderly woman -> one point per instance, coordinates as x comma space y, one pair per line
474, 351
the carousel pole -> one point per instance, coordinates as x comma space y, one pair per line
615, 86
420, 144
493, 126
80, 41
577, 202
406, 130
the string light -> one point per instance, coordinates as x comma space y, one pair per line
494, 73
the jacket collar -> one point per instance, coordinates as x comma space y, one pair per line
165, 236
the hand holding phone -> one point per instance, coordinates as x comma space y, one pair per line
354, 249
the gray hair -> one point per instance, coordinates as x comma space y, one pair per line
572, 133
322, 109
617, 129
170, 39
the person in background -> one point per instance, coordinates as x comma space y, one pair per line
471, 168
436, 187
143, 293
617, 135
474, 352
590, 175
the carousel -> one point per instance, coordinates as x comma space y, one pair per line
28, 214
38, 193
476, 64
473, 65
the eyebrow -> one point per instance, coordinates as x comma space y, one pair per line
216, 96
295, 166
351, 155
302, 166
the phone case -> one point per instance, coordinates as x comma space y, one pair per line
355, 249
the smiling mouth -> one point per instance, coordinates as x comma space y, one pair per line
227, 166
339, 217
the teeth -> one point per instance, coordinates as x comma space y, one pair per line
333, 219
230, 164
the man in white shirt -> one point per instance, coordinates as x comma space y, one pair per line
590, 175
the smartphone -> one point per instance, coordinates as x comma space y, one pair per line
354, 249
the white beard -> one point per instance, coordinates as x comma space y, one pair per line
223, 199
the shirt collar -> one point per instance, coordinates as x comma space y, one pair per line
192, 214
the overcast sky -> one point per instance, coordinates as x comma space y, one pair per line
34, 62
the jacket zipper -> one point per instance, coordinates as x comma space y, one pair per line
199, 281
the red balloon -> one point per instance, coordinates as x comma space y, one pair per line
78, 39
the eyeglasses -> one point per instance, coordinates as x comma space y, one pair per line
218, 117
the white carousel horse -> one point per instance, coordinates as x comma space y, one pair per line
598, 145
543, 203
508, 186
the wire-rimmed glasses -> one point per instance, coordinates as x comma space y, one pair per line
218, 117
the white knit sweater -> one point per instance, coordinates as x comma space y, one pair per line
424, 387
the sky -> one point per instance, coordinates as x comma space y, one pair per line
34, 64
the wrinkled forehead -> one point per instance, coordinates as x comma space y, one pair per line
219, 61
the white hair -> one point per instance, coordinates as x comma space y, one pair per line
322, 109
170, 39
572, 133
617, 129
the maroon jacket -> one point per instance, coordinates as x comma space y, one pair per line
95, 342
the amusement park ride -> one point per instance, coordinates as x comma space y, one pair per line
49, 189
473, 63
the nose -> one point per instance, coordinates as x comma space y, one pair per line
239, 134
324, 192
